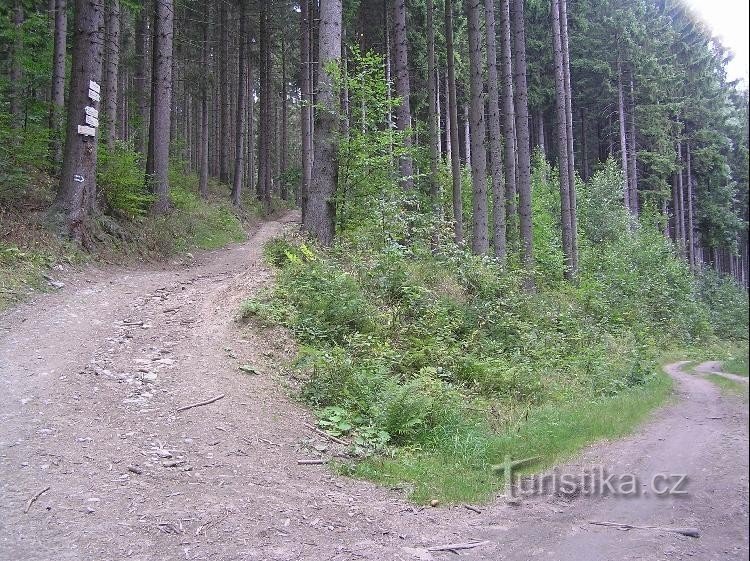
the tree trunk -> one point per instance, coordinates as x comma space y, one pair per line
509, 122
540, 140
161, 96
264, 187
676, 232
320, 215
496, 145
623, 139
584, 146
142, 77
239, 132
438, 109
690, 227
224, 94
284, 123
681, 200
15, 66
403, 111
204, 134
522, 138
562, 141
448, 150
251, 177
467, 137
458, 222
480, 243
77, 194
57, 97
569, 133
306, 108
633, 155
432, 110
111, 72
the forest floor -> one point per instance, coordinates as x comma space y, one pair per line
94, 374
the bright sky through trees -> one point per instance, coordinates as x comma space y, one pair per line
729, 21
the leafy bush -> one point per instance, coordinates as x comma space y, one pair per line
726, 305
121, 180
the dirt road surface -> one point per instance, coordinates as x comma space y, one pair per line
91, 380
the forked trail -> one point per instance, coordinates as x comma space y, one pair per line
92, 379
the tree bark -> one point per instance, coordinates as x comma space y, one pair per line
633, 155
204, 128
251, 127
264, 187
225, 101
509, 122
569, 133
432, 110
284, 123
496, 145
306, 109
239, 132
540, 140
57, 97
584, 146
522, 138
142, 77
111, 72
467, 137
77, 194
157, 166
681, 200
562, 141
480, 243
403, 90
458, 222
623, 138
690, 214
15, 66
320, 215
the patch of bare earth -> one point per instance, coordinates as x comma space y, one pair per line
92, 379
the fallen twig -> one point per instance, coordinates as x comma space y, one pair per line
311, 462
324, 434
200, 403
472, 509
690, 532
33, 499
455, 547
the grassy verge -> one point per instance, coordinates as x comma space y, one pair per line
459, 469
737, 364
730, 387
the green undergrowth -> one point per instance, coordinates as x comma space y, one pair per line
31, 250
553, 433
733, 355
436, 364
730, 387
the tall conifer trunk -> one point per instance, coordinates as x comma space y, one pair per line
77, 195
480, 238
522, 140
403, 89
495, 143
320, 216
458, 223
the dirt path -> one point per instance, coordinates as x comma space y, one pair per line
90, 381
714, 367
